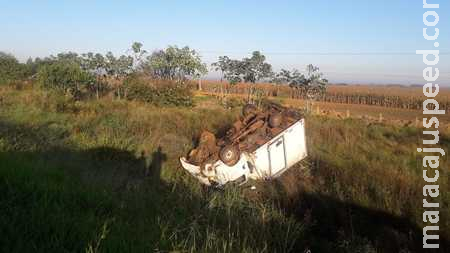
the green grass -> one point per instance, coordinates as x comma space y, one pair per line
44, 210
83, 176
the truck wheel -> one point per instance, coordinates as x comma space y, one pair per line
229, 155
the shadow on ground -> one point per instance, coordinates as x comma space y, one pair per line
144, 212
336, 225
58, 198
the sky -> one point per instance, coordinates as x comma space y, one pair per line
362, 41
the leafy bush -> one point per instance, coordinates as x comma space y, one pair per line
157, 93
65, 77
175, 63
10, 69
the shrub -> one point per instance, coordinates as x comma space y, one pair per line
65, 77
10, 69
157, 93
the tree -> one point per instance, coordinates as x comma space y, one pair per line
69, 57
65, 77
110, 64
10, 68
138, 55
314, 82
255, 68
251, 69
119, 69
234, 71
282, 77
222, 65
175, 63
309, 85
96, 65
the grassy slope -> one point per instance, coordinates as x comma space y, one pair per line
86, 176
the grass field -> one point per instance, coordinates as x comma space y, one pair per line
88, 176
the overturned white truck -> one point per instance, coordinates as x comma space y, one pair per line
266, 160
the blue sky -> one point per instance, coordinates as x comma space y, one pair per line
351, 41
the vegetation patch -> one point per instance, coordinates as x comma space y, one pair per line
158, 93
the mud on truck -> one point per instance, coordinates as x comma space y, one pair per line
261, 145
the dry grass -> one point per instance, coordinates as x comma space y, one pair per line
359, 190
401, 91
396, 116
391, 97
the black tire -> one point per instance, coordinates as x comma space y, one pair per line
229, 155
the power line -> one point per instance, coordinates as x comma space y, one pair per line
319, 53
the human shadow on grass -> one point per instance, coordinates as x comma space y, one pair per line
144, 211
157, 159
146, 207
340, 226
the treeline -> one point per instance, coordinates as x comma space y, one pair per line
256, 69
162, 77
159, 77
96, 73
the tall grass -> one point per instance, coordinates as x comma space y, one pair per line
82, 180
89, 178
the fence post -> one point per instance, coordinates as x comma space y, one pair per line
347, 113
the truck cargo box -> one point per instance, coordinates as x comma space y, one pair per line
268, 161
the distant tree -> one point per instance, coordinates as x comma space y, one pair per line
297, 80
222, 65
118, 68
30, 67
309, 83
124, 65
229, 70
175, 63
10, 68
255, 68
138, 56
95, 64
65, 77
110, 64
282, 77
234, 71
314, 83
70, 57
29, 61
251, 69
38, 62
